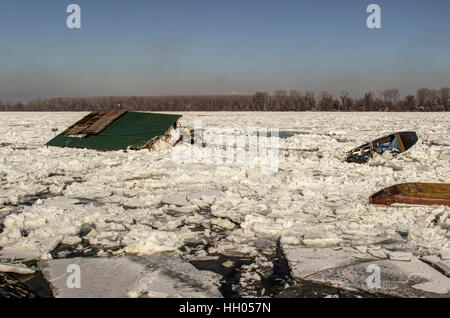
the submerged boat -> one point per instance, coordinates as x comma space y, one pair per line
394, 144
414, 193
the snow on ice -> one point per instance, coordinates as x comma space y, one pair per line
143, 203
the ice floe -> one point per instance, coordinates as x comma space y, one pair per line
157, 276
144, 203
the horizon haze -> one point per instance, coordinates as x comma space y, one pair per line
160, 48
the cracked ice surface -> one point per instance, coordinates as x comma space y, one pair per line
144, 203
155, 276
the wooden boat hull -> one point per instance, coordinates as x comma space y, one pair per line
414, 193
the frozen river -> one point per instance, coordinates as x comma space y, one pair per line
57, 203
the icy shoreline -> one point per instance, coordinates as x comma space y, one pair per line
142, 203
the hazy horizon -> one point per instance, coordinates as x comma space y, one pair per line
161, 48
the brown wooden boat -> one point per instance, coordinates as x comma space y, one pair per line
414, 193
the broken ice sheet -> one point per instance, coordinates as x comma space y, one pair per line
16, 268
95, 188
154, 276
344, 269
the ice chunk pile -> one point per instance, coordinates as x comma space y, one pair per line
144, 203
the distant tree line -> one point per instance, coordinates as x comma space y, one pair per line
425, 99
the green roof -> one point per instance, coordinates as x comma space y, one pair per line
132, 130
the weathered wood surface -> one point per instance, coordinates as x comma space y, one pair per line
93, 123
104, 120
79, 126
414, 193
400, 142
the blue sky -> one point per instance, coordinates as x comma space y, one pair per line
176, 47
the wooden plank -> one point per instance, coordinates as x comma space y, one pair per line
93, 123
428, 190
79, 126
400, 142
414, 193
104, 120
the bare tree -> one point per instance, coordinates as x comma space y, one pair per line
391, 95
433, 98
395, 95
422, 94
310, 100
410, 102
368, 101
325, 101
345, 100
444, 93
260, 100
295, 93
386, 94
425, 100
280, 93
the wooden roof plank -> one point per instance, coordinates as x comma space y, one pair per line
79, 126
105, 120
93, 123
